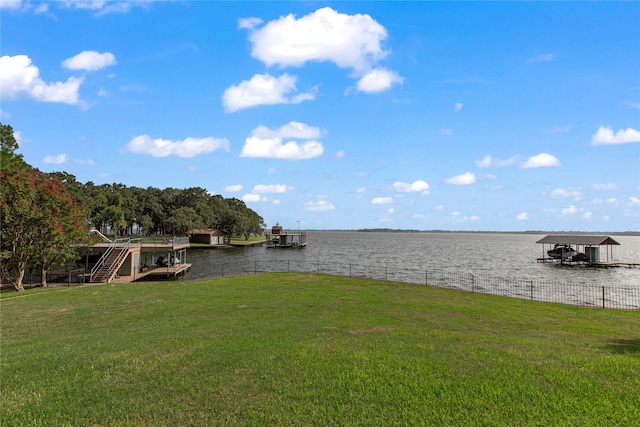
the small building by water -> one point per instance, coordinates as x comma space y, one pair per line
209, 236
278, 237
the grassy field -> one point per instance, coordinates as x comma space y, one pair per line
303, 349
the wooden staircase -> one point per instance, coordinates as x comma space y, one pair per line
107, 267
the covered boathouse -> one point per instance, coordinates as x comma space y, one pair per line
126, 259
280, 238
579, 249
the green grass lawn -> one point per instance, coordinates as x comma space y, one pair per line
304, 349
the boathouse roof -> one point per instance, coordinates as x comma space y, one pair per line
573, 239
209, 232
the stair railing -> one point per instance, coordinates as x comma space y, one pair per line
105, 255
116, 262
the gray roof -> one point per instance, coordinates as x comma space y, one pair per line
569, 239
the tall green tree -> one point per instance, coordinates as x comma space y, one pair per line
9, 159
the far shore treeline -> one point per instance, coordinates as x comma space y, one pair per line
45, 215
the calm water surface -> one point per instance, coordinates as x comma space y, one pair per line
512, 255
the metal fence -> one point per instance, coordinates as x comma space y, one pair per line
610, 296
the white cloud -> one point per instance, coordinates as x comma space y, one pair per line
464, 179
89, 60
189, 147
613, 201
249, 23
361, 190
382, 201
349, 41
19, 77
263, 89
234, 188
604, 187
42, 8
487, 161
254, 198
576, 193
439, 208
290, 130
103, 7
445, 132
378, 80
541, 160
390, 210
571, 210
587, 215
57, 159
415, 186
523, 216
541, 58
10, 4
605, 135
319, 206
340, 154
634, 201
458, 107
270, 188
268, 143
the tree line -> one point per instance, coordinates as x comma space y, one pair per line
44, 216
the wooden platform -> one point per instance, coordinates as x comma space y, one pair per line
604, 264
165, 272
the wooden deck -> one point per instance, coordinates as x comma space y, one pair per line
164, 272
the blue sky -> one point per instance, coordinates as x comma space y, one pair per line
340, 115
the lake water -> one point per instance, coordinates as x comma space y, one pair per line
496, 254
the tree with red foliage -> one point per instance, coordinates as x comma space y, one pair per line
40, 222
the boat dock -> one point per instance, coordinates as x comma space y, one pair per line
603, 264
576, 249
279, 238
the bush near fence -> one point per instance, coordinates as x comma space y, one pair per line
613, 297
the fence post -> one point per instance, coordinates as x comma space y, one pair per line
255, 267
222, 269
385, 272
426, 277
318, 268
473, 280
531, 287
288, 266
349, 269
603, 297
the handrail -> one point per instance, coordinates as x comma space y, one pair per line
116, 263
105, 255
101, 261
